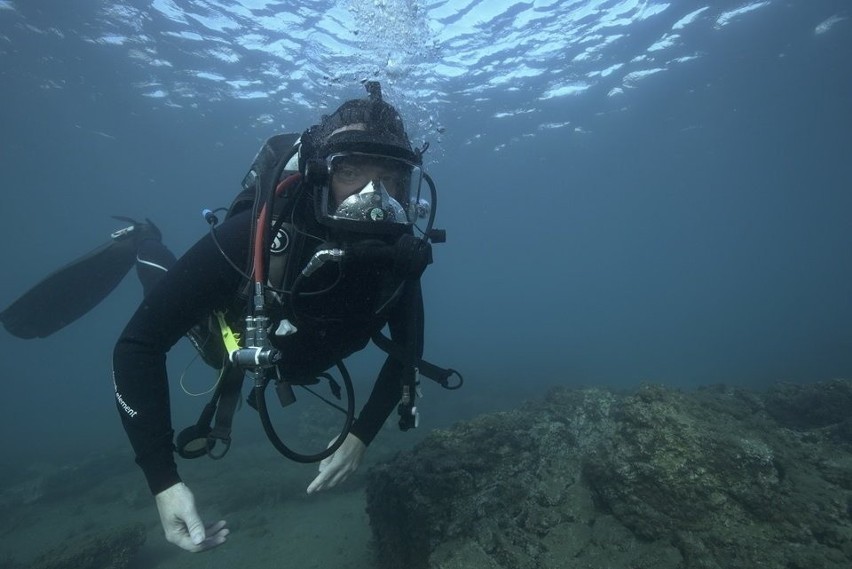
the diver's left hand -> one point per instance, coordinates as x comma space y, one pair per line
337, 468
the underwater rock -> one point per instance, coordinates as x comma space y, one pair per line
22, 486
21, 493
822, 405
651, 479
109, 550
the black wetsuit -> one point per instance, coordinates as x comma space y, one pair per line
340, 322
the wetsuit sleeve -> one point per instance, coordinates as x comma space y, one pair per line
201, 281
406, 329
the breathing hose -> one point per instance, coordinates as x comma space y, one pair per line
258, 322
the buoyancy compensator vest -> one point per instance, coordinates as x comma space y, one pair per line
276, 160
281, 257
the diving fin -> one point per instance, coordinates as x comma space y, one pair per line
70, 292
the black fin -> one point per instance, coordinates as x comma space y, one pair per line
70, 292
67, 294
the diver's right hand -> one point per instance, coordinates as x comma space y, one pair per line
182, 524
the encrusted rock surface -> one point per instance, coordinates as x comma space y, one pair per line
720, 478
109, 550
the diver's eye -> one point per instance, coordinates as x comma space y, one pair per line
391, 178
350, 175
392, 182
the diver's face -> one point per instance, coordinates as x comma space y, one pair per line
353, 173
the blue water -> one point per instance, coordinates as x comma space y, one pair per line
632, 190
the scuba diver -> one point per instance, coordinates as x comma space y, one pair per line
320, 252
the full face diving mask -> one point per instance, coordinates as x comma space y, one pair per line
371, 193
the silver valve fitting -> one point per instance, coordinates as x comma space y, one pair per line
320, 258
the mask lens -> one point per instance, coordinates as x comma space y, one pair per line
373, 188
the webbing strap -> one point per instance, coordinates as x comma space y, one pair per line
232, 382
426, 369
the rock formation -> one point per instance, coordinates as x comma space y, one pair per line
112, 549
719, 478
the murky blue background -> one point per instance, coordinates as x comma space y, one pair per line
632, 191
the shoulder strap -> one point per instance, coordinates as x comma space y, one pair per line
278, 155
426, 369
273, 158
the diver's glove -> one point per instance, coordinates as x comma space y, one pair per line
337, 468
182, 524
408, 256
411, 256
